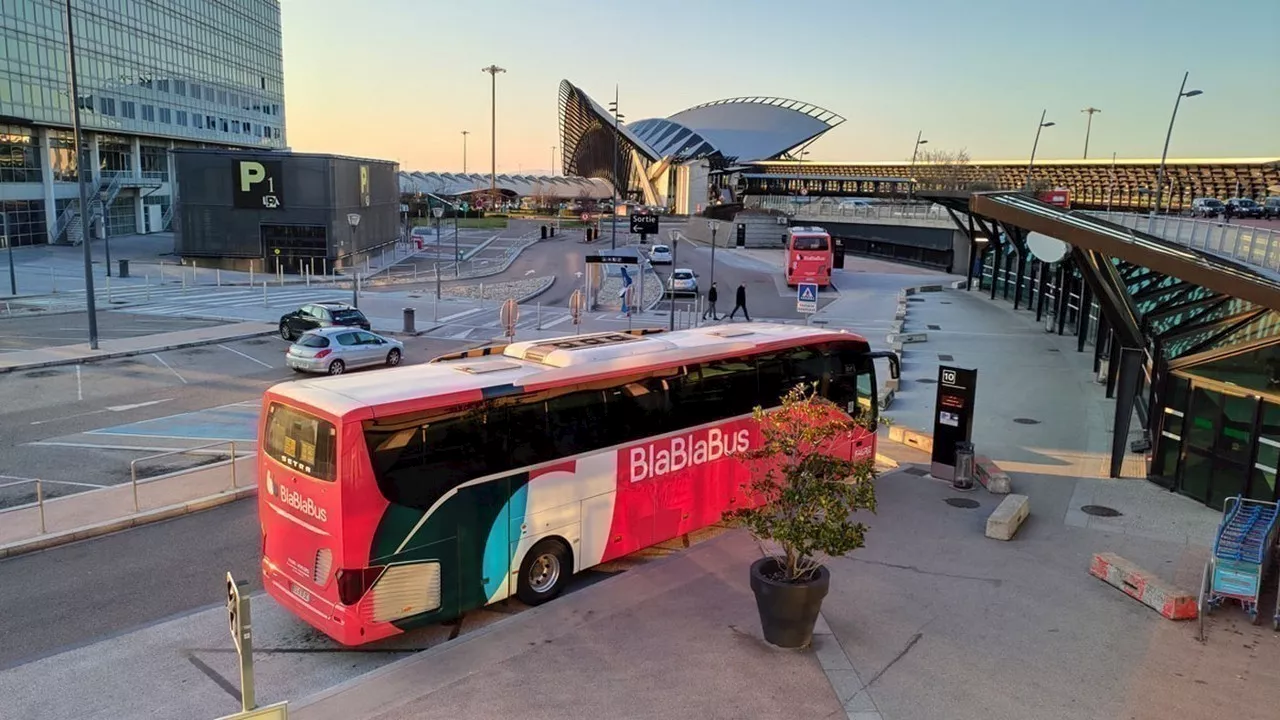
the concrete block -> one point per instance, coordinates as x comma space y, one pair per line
901, 337
896, 326
908, 291
1005, 520
990, 476
911, 438
897, 348
1171, 602
929, 288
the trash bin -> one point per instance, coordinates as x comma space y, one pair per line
553, 231
419, 242
124, 268
544, 232
963, 477
408, 320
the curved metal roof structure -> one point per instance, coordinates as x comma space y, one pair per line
453, 184
741, 129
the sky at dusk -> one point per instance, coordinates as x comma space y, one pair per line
401, 79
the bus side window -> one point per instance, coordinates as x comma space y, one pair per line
522, 425
577, 422
415, 466
773, 379
638, 409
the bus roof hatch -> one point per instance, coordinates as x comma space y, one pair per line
585, 348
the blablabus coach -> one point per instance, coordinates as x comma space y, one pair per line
404, 497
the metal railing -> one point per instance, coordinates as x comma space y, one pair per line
1259, 247
63, 222
133, 465
167, 220
824, 208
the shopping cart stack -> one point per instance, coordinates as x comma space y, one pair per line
1247, 534
1242, 554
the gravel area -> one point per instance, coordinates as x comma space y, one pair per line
499, 290
611, 286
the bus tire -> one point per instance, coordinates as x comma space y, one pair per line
544, 571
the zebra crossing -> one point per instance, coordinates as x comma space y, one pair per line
197, 301
484, 324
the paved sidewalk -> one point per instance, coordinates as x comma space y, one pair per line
98, 512
107, 349
679, 638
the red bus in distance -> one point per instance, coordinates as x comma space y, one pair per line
809, 257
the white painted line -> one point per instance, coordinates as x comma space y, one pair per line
139, 448
461, 335
111, 408
135, 406
455, 316
246, 357
79, 385
557, 321
175, 372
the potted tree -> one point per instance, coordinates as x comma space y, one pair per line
804, 501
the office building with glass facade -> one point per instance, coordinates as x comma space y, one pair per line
152, 76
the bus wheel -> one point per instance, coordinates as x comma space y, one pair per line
544, 572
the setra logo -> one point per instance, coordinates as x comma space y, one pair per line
301, 503
682, 451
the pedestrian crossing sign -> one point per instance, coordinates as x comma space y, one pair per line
807, 298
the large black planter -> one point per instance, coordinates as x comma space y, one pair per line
788, 611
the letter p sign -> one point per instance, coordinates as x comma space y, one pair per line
251, 173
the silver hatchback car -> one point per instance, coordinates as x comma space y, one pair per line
334, 350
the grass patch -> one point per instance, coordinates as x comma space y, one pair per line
486, 223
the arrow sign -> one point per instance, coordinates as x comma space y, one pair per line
578, 274
530, 272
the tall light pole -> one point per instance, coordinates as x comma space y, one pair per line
915, 151
90, 305
617, 117
493, 71
465, 133
1088, 127
553, 161
1034, 145
1182, 92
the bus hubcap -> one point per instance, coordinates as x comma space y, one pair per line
544, 573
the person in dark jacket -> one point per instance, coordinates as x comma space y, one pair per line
740, 303
711, 303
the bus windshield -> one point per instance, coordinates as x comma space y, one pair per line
301, 441
809, 242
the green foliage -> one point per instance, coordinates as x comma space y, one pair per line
809, 496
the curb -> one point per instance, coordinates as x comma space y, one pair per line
131, 353
167, 512
529, 296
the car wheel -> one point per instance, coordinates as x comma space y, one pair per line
285, 332
544, 572
337, 367
393, 358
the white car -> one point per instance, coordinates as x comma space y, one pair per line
660, 255
682, 280
334, 350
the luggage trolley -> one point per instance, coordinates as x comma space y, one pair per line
1242, 553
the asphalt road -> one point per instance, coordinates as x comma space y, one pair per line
27, 332
60, 404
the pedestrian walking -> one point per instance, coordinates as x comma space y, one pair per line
711, 303
740, 303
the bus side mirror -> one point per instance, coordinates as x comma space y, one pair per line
895, 364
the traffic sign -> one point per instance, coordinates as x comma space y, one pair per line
586, 217
509, 316
466, 206
438, 212
807, 298
612, 259
644, 224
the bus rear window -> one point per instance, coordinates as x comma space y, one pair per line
301, 441
809, 242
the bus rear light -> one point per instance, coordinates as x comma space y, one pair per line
354, 583
324, 353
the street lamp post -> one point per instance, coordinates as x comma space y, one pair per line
671, 288
915, 152
1034, 145
493, 71
553, 161
90, 305
465, 133
1088, 127
617, 117
712, 225
353, 219
1182, 92
8, 244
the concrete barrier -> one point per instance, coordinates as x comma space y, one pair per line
995, 480
929, 288
1170, 601
906, 436
887, 394
1004, 521
901, 337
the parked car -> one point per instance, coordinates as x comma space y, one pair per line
334, 350
1244, 208
319, 315
682, 280
1271, 208
660, 255
1206, 207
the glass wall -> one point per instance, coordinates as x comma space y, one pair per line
19, 154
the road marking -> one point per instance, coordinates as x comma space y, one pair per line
530, 272
557, 321
175, 372
462, 314
79, 385
21, 480
111, 408
246, 357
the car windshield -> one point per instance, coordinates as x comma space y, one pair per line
810, 242
661, 248
347, 316
312, 340
682, 275
1213, 203
1247, 203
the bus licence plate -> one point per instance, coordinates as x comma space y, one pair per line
300, 592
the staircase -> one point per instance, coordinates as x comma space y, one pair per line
70, 227
167, 221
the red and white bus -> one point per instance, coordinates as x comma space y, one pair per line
809, 257
404, 497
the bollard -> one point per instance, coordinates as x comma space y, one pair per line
233, 464
408, 320
306, 276
250, 273
40, 503
962, 479
217, 276
146, 279
482, 291
108, 289
161, 272
195, 278
53, 281
184, 278
264, 294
